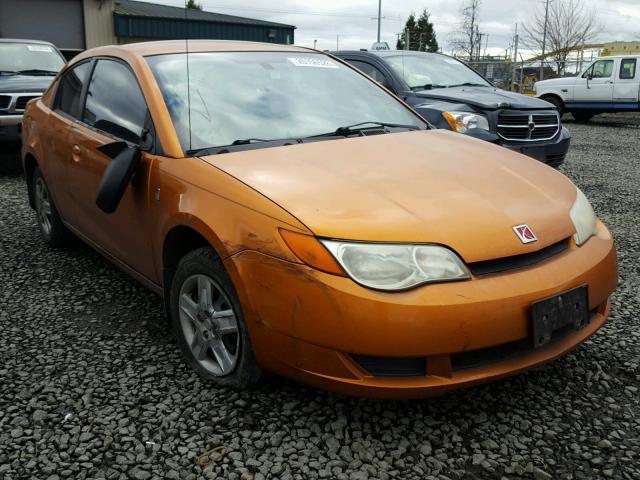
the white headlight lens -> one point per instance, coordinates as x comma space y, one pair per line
396, 266
464, 121
584, 219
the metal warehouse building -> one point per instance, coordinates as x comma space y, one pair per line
75, 25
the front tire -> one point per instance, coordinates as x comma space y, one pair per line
53, 231
582, 117
208, 321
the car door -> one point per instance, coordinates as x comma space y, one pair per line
627, 85
114, 110
66, 111
595, 85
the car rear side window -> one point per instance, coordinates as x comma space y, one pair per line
628, 68
70, 89
115, 104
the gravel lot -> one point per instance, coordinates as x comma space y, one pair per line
91, 385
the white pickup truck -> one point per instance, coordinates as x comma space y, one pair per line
608, 84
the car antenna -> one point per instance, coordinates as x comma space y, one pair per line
186, 40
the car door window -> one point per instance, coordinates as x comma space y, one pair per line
115, 104
628, 68
600, 69
69, 94
370, 70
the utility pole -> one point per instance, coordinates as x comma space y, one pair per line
407, 37
379, 17
544, 39
480, 35
515, 58
315, 43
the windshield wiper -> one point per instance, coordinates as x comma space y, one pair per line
239, 143
351, 129
247, 141
36, 71
427, 86
468, 84
8, 72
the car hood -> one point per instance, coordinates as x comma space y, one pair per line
24, 83
485, 97
556, 81
422, 186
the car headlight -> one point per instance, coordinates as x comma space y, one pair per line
462, 122
396, 266
583, 217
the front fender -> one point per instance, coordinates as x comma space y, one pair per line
231, 216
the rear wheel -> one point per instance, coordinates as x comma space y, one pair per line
582, 117
208, 321
53, 231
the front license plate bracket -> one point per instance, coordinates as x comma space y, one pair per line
553, 313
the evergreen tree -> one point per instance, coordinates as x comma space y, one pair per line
193, 5
422, 36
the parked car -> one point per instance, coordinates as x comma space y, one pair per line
608, 84
453, 96
27, 68
298, 218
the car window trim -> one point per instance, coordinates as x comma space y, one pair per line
148, 123
635, 67
592, 67
56, 98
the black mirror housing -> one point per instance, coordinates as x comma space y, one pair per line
117, 175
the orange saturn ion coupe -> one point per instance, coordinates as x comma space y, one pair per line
298, 218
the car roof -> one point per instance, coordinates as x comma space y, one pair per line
384, 53
179, 46
25, 40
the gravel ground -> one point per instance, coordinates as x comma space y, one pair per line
91, 385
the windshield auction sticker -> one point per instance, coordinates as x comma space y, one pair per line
312, 62
39, 48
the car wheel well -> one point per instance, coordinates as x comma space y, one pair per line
555, 100
180, 241
30, 165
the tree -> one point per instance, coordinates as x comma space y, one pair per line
191, 4
466, 40
422, 36
569, 24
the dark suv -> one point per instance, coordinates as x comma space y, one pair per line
27, 67
451, 95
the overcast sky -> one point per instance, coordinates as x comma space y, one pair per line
324, 20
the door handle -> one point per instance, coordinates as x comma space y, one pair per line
75, 153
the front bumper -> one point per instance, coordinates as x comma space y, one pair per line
307, 324
552, 152
10, 128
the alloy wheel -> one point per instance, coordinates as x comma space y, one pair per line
43, 206
209, 325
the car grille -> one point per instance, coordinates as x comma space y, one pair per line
21, 102
508, 351
4, 101
518, 261
528, 126
392, 366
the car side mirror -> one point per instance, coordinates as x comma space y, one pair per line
590, 76
117, 175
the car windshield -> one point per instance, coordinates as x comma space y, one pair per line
33, 58
424, 71
257, 96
